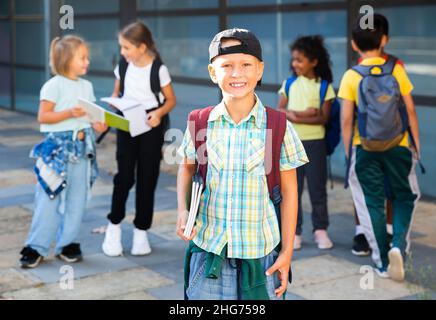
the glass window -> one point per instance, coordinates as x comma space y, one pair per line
101, 34
266, 2
183, 43
268, 98
332, 25
264, 26
5, 40
103, 87
190, 97
28, 85
4, 8
414, 43
176, 4
94, 6
29, 7
5, 87
30, 43
427, 119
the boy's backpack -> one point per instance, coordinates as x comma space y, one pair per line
333, 126
154, 85
276, 121
382, 117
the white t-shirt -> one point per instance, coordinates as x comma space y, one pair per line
137, 83
65, 92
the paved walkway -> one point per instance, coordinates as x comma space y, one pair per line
333, 274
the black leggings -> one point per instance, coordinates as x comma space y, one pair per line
143, 153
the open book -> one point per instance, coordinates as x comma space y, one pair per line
95, 113
197, 190
133, 111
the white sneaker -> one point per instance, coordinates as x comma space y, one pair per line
112, 241
140, 246
396, 266
323, 240
297, 242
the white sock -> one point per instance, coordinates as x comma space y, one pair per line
359, 230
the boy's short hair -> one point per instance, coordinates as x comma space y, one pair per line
383, 22
366, 38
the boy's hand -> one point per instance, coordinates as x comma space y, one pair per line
182, 218
100, 126
153, 118
282, 265
77, 112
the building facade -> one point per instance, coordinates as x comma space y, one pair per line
183, 30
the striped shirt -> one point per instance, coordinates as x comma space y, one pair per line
235, 207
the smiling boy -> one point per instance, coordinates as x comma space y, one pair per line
234, 249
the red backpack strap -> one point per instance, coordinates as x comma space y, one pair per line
197, 124
276, 122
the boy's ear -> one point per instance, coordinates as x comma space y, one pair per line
354, 46
212, 73
261, 67
384, 41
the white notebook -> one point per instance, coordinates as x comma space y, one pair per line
197, 190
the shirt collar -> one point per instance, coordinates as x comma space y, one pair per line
372, 61
258, 112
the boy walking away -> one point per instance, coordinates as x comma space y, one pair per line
360, 244
378, 120
235, 252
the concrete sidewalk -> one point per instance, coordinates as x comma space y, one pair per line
332, 274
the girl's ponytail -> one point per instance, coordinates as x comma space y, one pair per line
54, 55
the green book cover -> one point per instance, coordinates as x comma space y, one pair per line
115, 121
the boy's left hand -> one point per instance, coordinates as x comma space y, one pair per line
282, 265
153, 118
100, 126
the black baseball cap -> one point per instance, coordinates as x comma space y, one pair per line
249, 43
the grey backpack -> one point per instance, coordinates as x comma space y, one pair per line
382, 117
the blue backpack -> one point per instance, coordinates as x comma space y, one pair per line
333, 126
382, 119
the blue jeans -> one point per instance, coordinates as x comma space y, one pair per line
49, 222
226, 286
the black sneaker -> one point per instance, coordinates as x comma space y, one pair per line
360, 246
30, 258
71, 253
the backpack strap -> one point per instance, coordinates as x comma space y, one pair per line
288, 84
323, 91
389, 65
197, 124
155, 80
122, 69
276, 125
362, 70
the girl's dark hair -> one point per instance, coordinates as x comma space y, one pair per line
138, 33
313, 48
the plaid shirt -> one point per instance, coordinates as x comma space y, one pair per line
235, 207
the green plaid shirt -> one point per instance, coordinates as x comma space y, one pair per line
235, 207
